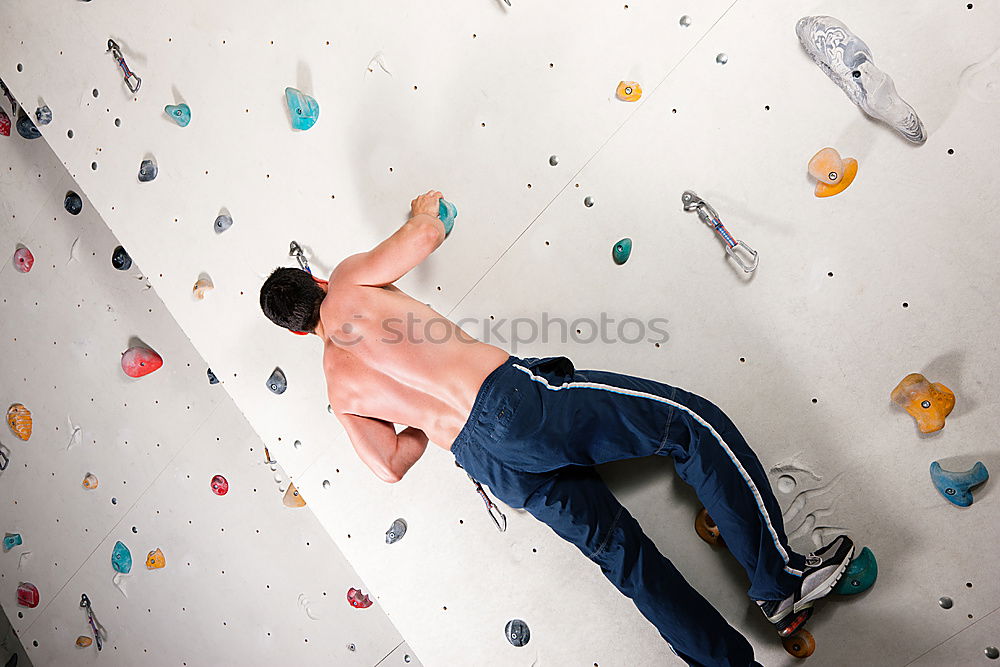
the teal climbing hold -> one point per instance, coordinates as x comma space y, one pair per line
179, 113
447, 212
11, 540
621, 251
860, 574
956, 487
304, 108
121, 558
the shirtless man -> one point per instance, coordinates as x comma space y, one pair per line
532, 429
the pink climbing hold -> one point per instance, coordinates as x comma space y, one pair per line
23, 260
27, 595
139, 361
220, 486
358, 599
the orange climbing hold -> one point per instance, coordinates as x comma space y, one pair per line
629, 91
800, 645
83, 642
155, 560
833, 174
927, 402
90, 481
707, 530
293, 498
19, 420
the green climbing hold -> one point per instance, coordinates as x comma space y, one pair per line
447, 212
621, 251
179, 113
860, 574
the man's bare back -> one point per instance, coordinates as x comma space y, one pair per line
390, 359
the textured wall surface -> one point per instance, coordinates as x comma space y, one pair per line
247, 579
895, 275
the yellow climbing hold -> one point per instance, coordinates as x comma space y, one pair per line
629, 91
19, 420
155, 560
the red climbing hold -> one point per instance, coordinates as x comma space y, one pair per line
139, 361
358, 599
220, 486
23, 260
4, 123
27, 595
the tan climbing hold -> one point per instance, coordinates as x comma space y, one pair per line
293, 498
19, 420
927, 402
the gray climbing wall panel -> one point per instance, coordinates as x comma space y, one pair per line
475, 101
227, 594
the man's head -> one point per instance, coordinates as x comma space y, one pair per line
291, 298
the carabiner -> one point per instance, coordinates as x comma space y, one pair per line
295, 250
708, 215
116, 52
500, 523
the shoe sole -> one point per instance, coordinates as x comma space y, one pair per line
824, 589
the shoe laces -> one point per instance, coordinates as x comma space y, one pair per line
812, 560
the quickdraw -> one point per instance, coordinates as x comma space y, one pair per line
708, 215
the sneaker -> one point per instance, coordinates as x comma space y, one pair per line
779, 613
824, 568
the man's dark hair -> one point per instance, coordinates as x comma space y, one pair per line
291, 298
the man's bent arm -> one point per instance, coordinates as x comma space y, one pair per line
391, 259
389, 456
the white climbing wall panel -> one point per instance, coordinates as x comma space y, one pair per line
247, 580
476, 99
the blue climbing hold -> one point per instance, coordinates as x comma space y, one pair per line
179, 113
956, 487
11, 540
860, 574
120, 259
25, 127
211, 377
277, 382
304, 108
222, 223
121, 558
73, 203
447, 212
43, 115
147, 171
621, 251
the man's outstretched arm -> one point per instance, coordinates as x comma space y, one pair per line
389, 455
391, 259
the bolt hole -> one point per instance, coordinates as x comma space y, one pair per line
20, 67
69, 133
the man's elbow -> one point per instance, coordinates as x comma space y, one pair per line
430, 232
388, 476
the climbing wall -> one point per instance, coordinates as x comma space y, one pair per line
246, 579
511, 112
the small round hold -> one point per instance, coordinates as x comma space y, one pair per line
722, 59
23, 260
406, 657
73, 203
621, 251
553, 160
352, 647
120, 259
517, 632
992, 652
43, 115
222, 223
800, 645
588, 201
925, 404
326, 484
220, 485
856, 74
707, 529
396, 531
946, 602
297, 444
685, 21
277, 382
147, 171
